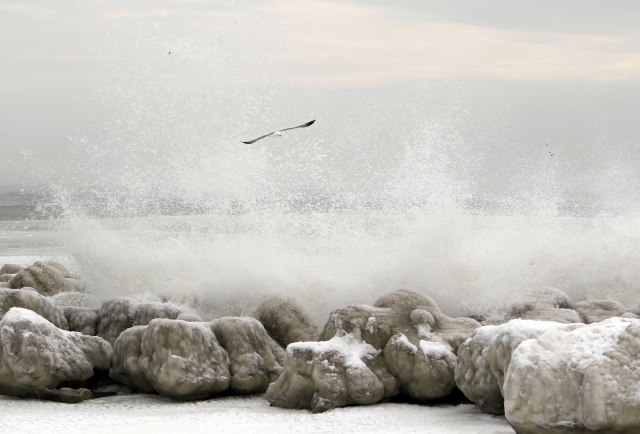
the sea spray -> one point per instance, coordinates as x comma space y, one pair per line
429, 185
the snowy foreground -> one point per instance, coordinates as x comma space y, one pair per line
236, 414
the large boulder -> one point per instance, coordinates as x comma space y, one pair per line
543, 304
414, 345
28, 298
115, 316
251, 361
483, 359
580, 381
286, 321
36, 356
48, 278
415, 315
126, 356
323, 375
82, 319
183, 360
423, 371
593, 311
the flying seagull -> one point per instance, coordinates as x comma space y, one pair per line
279, 133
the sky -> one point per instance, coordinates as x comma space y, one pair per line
97, 73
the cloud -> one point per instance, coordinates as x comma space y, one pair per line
342, 44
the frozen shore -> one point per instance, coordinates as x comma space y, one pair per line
236, 414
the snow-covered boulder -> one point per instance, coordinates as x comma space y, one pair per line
82, 319
323, 375
48, 278
286, 321
126, 355
28, 298
183, 360
579, 381
593, 311
145, 312
36, 356
484, 358
251, 362
115, 316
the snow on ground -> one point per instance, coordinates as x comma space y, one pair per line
236, 414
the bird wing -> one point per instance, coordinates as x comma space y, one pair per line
255, 140
300, 126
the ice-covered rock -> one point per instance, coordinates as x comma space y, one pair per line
36, 356
286, 321
251, 361
82, 319
189, 317
183, 360
484, 358
531, 311
28, 298
323, 375
46, 278
410, 348
410, 313
126, 355
115, 316
11, 269
423, 371
593, 311
6, 277
77, 299
145, 312
579, 381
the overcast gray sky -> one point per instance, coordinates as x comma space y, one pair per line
75, 71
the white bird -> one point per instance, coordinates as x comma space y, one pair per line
279, 133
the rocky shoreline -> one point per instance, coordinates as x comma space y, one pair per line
548, 364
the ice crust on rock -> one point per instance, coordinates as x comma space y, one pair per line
76, 299
543, 304
183, 360
251, 362
36, 356
323, 375
28, 298
126, 356
424, 371
579, 381
115, 316
145, 312
484, 358
286, 321
48, 278
82, 319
